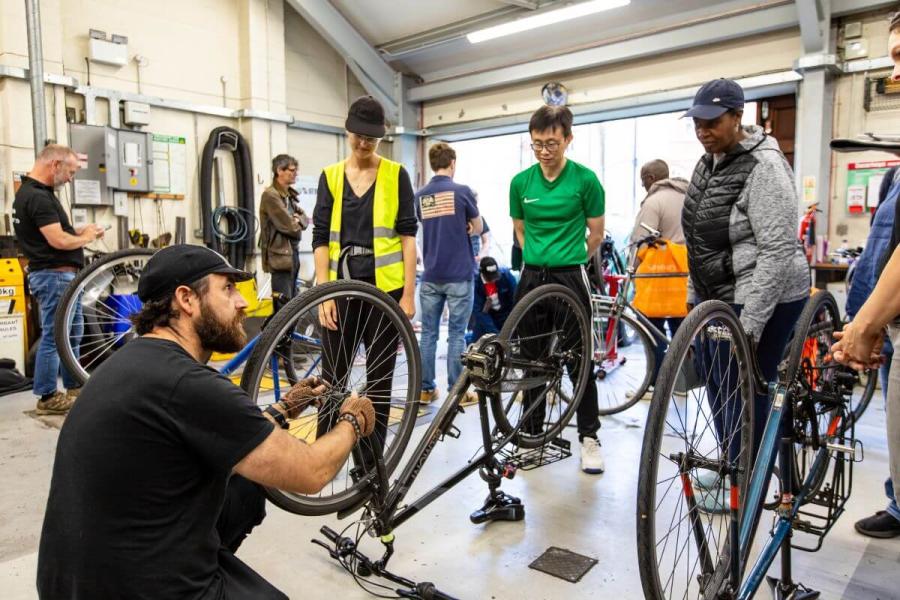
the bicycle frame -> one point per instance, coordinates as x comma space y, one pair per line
781, 411
612, 306
386, 502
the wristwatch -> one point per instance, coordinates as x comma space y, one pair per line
279, 416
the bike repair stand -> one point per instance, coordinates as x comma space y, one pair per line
498, 506
484, 361
784, 588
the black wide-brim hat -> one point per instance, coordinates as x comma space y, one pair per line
366, 117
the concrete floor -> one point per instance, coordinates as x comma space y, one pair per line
591, 515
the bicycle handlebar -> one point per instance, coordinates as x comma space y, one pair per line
427, 591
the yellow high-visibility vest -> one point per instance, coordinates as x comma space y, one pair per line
387, 247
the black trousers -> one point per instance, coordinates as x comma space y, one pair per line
360, 322
244, 508
575, 278
285, 282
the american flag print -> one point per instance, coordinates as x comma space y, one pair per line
438, 205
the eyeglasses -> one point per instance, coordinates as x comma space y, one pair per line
551, 146
368, 140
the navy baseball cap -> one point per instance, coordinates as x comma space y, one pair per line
715, 98
182, 264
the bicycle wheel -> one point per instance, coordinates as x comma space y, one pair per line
106, 294
868, 381
690, 441
623, 373
373, 352
815, 418
548, 343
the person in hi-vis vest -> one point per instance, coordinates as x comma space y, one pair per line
364, 228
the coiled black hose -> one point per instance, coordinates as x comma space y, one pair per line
237, 242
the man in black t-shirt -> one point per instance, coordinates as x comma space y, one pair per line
54, 252
155, 479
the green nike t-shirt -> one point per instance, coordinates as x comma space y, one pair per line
555, 213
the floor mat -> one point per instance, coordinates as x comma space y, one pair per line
563, 563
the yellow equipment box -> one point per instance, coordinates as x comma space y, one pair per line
13, 309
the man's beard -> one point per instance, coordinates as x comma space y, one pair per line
217, 336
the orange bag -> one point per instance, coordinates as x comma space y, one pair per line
659, 297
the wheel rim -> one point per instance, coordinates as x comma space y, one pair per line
322, 357
107, 298
626, 370
689, 452
549, 362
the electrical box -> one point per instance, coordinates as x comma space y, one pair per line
108, 53
136, 113
93, 179
109, 159
134, 161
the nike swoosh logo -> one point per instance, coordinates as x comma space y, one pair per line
530, 200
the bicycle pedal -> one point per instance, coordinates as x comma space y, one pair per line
561, 442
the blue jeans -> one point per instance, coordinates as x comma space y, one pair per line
48, 287
883, 373
458, 296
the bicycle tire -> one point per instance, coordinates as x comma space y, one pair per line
273, 335
865, 397
66, 305
550, 295
680, 352
638, 385
820, 309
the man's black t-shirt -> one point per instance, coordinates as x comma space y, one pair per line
36, 206
141, 468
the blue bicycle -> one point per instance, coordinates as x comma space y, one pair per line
702, 488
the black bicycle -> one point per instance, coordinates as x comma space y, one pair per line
529, 378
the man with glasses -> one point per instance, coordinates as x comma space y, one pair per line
552, 204
281, 220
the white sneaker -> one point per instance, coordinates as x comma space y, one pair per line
591, 458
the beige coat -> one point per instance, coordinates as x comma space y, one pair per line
661, 210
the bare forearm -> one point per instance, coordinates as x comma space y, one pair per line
284, 462
520, 232
320, 255
71, 242
883, 304
408, 245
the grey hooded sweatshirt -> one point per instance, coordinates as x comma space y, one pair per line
767, 258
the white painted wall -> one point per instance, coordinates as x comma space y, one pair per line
851, 119
270, 59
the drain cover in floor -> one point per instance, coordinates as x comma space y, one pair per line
563, 563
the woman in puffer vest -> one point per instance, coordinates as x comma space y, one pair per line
740, 226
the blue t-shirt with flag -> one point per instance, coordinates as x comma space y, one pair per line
444, 208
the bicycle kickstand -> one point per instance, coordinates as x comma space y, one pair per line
785, 588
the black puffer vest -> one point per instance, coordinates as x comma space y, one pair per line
706, 217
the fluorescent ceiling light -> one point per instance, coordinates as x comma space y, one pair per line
545, 18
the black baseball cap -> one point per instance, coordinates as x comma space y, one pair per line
366, 117
489, 269
715, 98
182, 264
